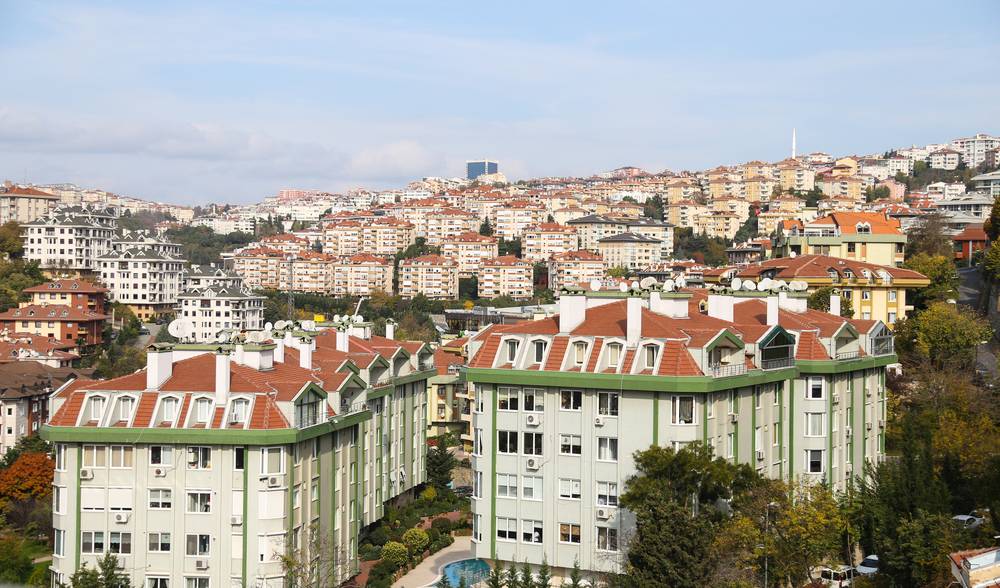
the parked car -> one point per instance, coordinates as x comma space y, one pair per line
463, 491
969, 522
868, 566
837, 577
143, 331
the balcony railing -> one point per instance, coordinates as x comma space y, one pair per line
881, 346
724, 371
847, 355
777, 364
351, 408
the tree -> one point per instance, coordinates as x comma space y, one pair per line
544, 576
992, 224
748, 230
820, 300
29, 477
15, 562
575, 576
511, 247
468, 288
618, 272
806, 530
26, 444
11, 241
514, 578
107, 574
671, 547
443, 583
415, 540
440, 463
929, 236
940, 270
653, 208
683, 475
15, 277
921, 550
486, 229
874, 193
395, 554
527, 579
497, 577
943, 334
119, 360
318, 563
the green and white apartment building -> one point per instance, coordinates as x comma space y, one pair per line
561, 405
205, 468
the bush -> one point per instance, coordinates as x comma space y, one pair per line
394, 554
369, 552
381, 575
442, 542
378, 536
415, 540
441, 525
433, 535
429, 494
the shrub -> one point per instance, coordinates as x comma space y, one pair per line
378, 536
381, 575
369, 552
415, 540
433, 535
395, 554
441, 525
429, 494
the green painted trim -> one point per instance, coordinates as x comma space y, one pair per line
780, 391
407, 455
246, 509
724, 335
844, 238
833, 366
656, 418
736, 427
642, 383
829, 439
675, 295
290, 526
704, 417
753, 425
493, 477
853, 424
312, 387
417, 375
748, 294
79, 510
791, 430
381, 391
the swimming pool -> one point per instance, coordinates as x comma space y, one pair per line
473, 570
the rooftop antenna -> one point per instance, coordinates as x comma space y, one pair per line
291, 297
793, 142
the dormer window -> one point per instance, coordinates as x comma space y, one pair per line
579, 353
202, 410
863, 228
614, 354
168, 409
96, 408
239, 410
649, 354
511, 351
538, 347
125, 406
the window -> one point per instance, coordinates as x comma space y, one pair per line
756, 397
607, 403
569, 533
569, 488
506, 486
199, 502
892, 295
477, 446
607, 449
579, 352
93, 499
614, 354
477, 527
710, 406
202, 410
570, 399
94, 456
814, 390
531, 487
892, 317
96, 408
730, 444
121, 457
60, 457
682, 410
161, 455
776, 433
125, 406
160, 498
92, 542
607, 493
506, 529
271, 461
477, 485
532, 444
198, 545
815, 424
120, 542
732, 402
59, 499
538, 347
649, 354
531, 531
479, 400
570, 445
239, 459
59, 547
199, 458
507, 441
507, 399
511, 347
238, 413
607, 539
534, 400
814, 461
200, 582
169, 409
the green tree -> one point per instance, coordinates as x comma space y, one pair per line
119, 360
527, 579
511, 247
15, 561
874, 193
395, 554
575, 576
107, 574
486, 229
416, 541
618, 272
497, 577
944, 335
11, 241
15, 276
820, 300
653, 208
440, 463
929, 236
921, 550
670, 547
748, 230
806, 530
514, 578
443, 583
26, 444
992, 224
544, 576
940, 270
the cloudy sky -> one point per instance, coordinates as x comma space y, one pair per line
228, 102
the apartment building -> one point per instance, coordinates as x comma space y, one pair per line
573, 268
68, 240
207, 467
795, 175
506, 276
203, 276
24, 398
382, 236
448, 404
975, 204
514, 217
26, 347
470, 249
718, 224
685, 213
629, 250
141, 277
562, 404
446, 223
434, 276
286, 243
593, 228
415, 212
544, 240
974, 149
988, 183
843, 186
308, 272
70, 311
224, 225
24, 204
876, 292
361, 275
213, 309
259, 267
871, 237
562, 216
946, 159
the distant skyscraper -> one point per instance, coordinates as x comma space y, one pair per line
480, 167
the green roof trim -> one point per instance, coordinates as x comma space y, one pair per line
642, 383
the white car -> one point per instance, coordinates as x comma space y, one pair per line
969, 521
868, 566
837, 577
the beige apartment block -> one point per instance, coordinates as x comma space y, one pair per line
685, 213
285, 242
24, 205
383, 236
446, 223
470, 249
259, 267
544, 240
573, 268
434, 276
506, 276
361, 275
871, 237
629, 250
514, 217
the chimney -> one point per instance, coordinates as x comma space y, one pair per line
390, 329
796, 303
772, 310
720, 306
238, 354
572, 311
306, 354
221, 377
279, 350
633, 320
672, 304
835, 304
159, 367
343, 340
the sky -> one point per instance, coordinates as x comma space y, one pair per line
196, 102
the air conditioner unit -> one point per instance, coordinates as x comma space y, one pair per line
201, 564
760, 455
159, 472
868, 391
86, 474
121, 517
868, 426
534, 420
598, 421
273, 481
848, 431
604, 513
881, 424
734, 418
836, 397
532, 463
236, 520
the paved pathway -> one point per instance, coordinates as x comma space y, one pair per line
428, 571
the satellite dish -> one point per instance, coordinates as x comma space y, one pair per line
668, 285
792, 254
179, 328
358, 319
736, 284
635, 284
281, 325
268, 327
336, 318
780, 285
623, 287
799, 286
308, 325
764, 284
222, 337
749, 286
680, 282
595, 285
647, 282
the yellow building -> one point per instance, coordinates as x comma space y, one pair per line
870, 237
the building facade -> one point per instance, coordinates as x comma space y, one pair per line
434, 276
542, 241
68, 240
506, 276
573, 268
470, 249
870, 237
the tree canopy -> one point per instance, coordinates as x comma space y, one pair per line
944, 335
820, 300
942, 274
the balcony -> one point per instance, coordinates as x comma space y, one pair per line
725, 371
881, 345
777, 363
848, 355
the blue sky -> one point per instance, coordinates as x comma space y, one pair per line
228, 102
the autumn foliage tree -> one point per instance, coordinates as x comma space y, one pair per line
28, 478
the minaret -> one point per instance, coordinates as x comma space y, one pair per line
793, 143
